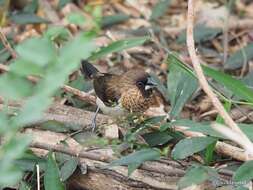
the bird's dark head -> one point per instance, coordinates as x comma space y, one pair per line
145, 83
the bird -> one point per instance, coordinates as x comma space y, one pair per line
119, 95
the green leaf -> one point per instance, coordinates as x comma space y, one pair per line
25, 68
156, 138
28, 161
181, 85
11, 150
52, 177
195, 175
202, 33
136, 158
201, 127
118, 46
68, 168
27, 18
236, 86
76, 18
189, 146
209, 153
79, 48
244, 173
57, 33
160, 9
32, 110
227, 106
15, 87
113, 19
236, 60
39, 51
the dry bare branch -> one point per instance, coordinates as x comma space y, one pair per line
247, 144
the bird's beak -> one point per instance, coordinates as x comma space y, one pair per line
150, 84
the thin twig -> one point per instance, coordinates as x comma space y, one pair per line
7, 44
79, 94
38, 176
247, 144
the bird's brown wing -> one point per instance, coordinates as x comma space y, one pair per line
107, 88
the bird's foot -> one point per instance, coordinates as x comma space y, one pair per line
94, 123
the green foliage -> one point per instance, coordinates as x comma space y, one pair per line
195, 175
118, 46
182, 87
189, 146
156, 138
27, 18
202, 33
236, 86
52, 175
160, 9
76, 18
110, 20
244, 173
68, 168
135, 159
37, 56
236, 60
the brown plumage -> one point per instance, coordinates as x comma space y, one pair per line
131, 91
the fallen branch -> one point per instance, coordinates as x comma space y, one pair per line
74, 116
246, 144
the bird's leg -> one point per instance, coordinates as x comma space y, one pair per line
94, 123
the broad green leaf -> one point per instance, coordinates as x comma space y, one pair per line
57, 33
236, 60
189, 146
244, 173
32, 110
25, 68
39, 51
196, 175
181, 85
10, 177
27, 18
15, 87
202, 33
28, 161
79, 48
113, 19
68, 168
202, 127
52, 176
156, 138
160, 9
11, 150
118, 46
76, 18
236, 86
137, 157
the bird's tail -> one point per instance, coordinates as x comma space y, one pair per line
88, 70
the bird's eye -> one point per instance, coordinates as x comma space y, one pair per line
140, 84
